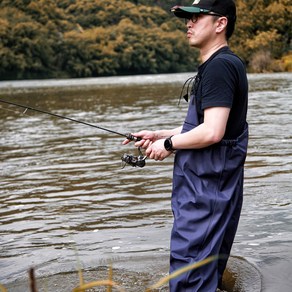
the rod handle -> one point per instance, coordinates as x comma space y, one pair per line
133, 138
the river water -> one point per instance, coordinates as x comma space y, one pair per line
66, 201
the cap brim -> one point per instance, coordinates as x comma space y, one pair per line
186, 11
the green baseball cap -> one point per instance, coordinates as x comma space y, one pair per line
225, 8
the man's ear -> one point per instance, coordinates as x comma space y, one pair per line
221, 24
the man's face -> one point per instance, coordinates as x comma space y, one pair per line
201, 30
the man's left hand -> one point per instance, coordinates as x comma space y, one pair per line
157, 151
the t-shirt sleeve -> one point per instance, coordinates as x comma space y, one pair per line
218, 84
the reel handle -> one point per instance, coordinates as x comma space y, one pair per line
134, 160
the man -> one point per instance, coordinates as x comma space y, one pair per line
210, 149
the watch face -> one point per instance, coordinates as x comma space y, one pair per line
167, 144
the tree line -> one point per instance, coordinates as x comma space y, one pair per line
91, 38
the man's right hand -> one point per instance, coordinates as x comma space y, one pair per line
147, 138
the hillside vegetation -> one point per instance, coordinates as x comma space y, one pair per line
88, 38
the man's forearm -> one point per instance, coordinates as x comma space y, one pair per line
162, 134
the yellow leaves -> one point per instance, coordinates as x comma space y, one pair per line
4, 26
287, 62
125, 23
33, 6
263, 39
13, 15
118, 37
26, 29
278, 15
262, 26
97, 34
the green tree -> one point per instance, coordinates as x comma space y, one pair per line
81, 38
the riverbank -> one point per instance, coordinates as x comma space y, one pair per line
141, 272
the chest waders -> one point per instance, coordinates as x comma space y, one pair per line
206, 204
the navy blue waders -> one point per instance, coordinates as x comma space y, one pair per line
206, 204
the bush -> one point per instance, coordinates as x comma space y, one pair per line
287, 62
260, 62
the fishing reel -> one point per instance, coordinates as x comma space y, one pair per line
134, 160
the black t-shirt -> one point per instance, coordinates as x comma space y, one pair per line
222, 82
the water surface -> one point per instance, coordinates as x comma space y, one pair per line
65, 198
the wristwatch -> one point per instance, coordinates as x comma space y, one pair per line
168, 144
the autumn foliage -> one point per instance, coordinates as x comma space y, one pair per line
88, 38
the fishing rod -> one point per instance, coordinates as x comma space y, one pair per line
128, 159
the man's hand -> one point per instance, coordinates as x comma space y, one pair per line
157, 151
147, 138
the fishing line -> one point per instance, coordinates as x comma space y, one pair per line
128, 136
127, 159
